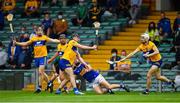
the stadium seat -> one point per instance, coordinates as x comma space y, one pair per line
105, 24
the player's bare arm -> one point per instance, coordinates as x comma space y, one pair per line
22, 43
156, 51
88, 67
52, 58
86, 47
54, 40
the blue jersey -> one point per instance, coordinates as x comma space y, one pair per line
47, 23
90, 76
165, 24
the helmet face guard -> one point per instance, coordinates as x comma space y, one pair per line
144, 38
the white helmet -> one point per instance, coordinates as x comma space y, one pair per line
145, 36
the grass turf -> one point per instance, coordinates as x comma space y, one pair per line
89, 97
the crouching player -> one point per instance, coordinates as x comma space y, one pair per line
97, 80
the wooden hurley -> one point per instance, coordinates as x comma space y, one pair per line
10, 18
97, 26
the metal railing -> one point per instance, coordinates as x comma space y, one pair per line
36, 74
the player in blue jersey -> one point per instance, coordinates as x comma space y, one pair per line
97, 80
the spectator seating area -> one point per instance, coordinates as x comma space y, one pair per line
87, 34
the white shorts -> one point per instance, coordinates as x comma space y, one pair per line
99, 79
177, 81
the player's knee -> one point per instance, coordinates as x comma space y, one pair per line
40, 73
109, 87
99, 93
71, 75
62, 78
72, 78
56, 75
148, 76
158, 77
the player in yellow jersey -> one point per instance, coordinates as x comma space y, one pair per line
152, 53
67, 60
55, 61
40, 53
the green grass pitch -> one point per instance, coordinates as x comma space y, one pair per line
89, 97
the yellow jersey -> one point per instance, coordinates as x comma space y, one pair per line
71, 51
8, 5
61, 48
39, 44
150, 48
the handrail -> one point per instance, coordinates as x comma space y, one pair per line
20, 70
35, 71
49, 70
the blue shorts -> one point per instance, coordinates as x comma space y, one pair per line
63, 64
40, 61
157, 63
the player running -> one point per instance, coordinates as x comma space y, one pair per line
151, 52
97, 80
55, 59
40, 53
67, 60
